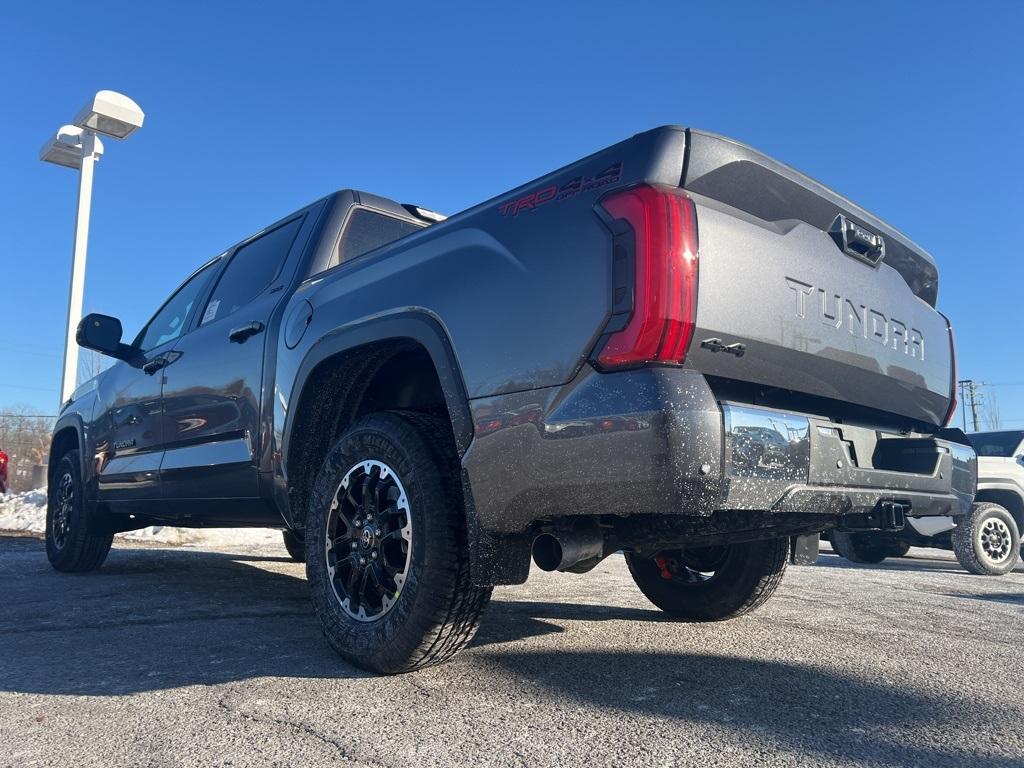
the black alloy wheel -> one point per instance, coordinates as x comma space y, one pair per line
369, 540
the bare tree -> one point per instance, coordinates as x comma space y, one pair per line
993, 420
25, 437
91, 363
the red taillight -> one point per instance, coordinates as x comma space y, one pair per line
664, 224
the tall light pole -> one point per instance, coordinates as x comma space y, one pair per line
78, 146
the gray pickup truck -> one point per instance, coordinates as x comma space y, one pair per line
676, 347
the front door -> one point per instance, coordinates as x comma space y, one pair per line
129, 429
213, 389
129, 433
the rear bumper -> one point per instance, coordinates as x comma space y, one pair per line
806, 463
657, 441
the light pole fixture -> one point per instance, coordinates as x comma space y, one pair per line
78, 146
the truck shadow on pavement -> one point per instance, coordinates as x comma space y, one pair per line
155, 619
908, 563
786, 707
509, 620
152, 619
1009, 598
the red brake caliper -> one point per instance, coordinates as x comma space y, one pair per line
662, 564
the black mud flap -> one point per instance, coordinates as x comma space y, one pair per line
803, 550
494, 559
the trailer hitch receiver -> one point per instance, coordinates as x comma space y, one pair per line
886, 516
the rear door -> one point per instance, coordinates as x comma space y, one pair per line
213, 391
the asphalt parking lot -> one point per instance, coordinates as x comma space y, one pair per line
172, 656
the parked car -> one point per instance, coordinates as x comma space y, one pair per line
986, 542
562, 370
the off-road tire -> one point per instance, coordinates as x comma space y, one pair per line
968, 544
864, 548
84, 543
749, 575
898, 549
295, 544
437, 610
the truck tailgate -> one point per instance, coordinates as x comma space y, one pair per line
807, 315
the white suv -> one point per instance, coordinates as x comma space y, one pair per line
987, 541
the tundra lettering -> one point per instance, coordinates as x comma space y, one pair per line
834, 310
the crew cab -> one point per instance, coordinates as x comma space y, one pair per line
676, 347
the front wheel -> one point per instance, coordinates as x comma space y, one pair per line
711, 583
387, 556
986, 542
74, 541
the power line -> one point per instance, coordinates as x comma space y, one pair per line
22, 386
15, 350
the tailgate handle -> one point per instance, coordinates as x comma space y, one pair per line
856, 241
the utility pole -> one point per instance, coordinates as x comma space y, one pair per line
968, 393
963, 402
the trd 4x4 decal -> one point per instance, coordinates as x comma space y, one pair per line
571, 188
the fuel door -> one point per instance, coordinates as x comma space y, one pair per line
299, 318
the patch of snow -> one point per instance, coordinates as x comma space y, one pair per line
26, 511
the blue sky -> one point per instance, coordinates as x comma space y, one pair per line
911, 109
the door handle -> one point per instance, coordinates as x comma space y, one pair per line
154, 365
240, 334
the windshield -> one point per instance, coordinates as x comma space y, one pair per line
1002, 444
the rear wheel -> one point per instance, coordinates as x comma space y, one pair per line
74, 541
987, 542
386, 551
295, 544
711, 583
861, 547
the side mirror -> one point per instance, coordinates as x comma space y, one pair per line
103, 334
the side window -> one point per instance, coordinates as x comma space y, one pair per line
252, 268
367, 230
169, 322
